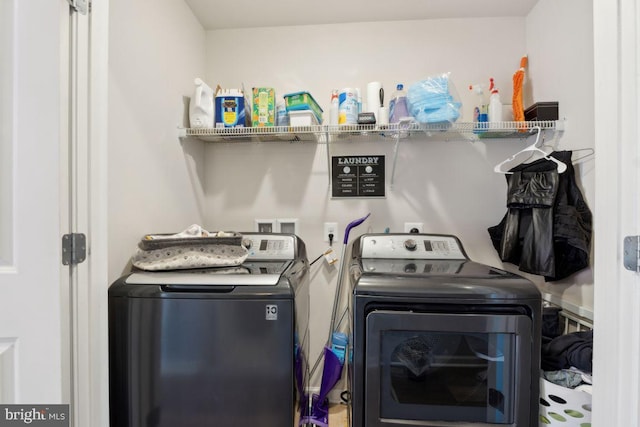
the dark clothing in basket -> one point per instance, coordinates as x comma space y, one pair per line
563, 352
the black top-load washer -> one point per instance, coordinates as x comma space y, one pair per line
439, 339
212, 347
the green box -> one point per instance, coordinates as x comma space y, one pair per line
303, 101
264, 107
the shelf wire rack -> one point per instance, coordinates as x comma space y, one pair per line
394, 131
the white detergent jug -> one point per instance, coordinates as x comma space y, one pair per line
201, 106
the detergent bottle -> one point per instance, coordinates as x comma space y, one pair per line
201, 106
495, 105
398, 105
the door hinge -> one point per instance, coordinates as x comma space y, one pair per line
74, 248
632, 253
80, 6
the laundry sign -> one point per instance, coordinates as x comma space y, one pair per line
357, 176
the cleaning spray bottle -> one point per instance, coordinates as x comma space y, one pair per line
335, 108
480, 110
495, 106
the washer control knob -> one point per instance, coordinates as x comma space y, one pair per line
410, 245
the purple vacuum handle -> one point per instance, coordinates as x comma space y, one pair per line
351, 225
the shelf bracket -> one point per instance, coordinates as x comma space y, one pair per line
403, 131
328, 143
395, 157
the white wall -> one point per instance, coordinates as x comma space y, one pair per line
157, 185
560, 48
448, 185
156, 49
319, 58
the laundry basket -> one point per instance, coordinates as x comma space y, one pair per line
561, 406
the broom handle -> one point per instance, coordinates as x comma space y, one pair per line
336, 297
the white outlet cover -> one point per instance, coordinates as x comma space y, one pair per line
330, 227
287, 225
408, 226
259, 223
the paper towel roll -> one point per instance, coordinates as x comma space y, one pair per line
373, 96
382, 116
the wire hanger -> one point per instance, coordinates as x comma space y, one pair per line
589, 153
534, 149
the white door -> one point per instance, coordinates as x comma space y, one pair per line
616, 363
53, 345
32, 306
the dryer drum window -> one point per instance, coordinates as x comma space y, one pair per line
445, 367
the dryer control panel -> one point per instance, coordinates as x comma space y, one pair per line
411, 246
269, 246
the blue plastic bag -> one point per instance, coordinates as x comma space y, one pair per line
434, 100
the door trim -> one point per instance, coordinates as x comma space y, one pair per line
616, 391
88, 215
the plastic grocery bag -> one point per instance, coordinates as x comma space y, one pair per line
434, 100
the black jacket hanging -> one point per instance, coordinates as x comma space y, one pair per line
547, 227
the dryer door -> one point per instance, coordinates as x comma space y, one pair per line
433, 367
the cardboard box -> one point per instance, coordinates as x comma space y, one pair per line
542, 111
230, 110
264, 107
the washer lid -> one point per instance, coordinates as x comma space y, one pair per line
439, 279
248, 274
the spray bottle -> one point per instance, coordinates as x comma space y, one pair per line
480, 110
495, 106
335, 107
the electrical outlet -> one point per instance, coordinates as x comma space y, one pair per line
413, 227
330, 228
287, 225
265, 225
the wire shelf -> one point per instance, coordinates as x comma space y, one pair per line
391, 132
257, 134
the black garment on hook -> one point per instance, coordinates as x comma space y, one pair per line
547, 227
